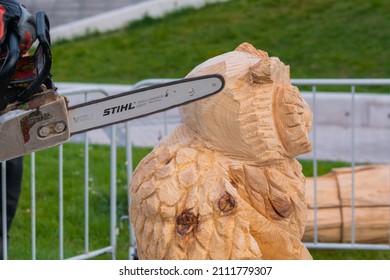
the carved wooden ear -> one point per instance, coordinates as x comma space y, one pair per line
248, 48
270, 70
261, 72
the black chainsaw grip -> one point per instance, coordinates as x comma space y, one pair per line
8, 68
43, 56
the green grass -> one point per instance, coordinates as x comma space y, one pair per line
47, 204
319, 254
317, 38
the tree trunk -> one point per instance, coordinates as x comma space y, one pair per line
334, 202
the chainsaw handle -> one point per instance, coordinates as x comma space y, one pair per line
43, 56
8, 67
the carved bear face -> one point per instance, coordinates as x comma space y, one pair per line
258, 116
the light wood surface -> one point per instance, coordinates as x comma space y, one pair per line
225, 184
334, 204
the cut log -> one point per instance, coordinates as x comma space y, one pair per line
225, 184
334, 204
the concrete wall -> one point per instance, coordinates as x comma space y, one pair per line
371, 110
332, 108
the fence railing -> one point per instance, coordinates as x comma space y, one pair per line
353, 84
122, 135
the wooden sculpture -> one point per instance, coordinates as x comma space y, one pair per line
334, 216
225, 184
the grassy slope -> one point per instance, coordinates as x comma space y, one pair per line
319, 39
99, 198
47, 197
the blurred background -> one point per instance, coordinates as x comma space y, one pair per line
61, 12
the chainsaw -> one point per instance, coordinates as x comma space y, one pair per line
32, 120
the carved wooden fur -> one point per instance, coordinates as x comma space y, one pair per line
225, 184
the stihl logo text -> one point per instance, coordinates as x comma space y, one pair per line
118, 109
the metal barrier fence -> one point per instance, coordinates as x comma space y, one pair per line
352, 84
126, 139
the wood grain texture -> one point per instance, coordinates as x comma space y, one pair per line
334, 204
225, 184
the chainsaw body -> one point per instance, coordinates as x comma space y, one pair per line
41, 122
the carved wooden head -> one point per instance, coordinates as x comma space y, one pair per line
258, 116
